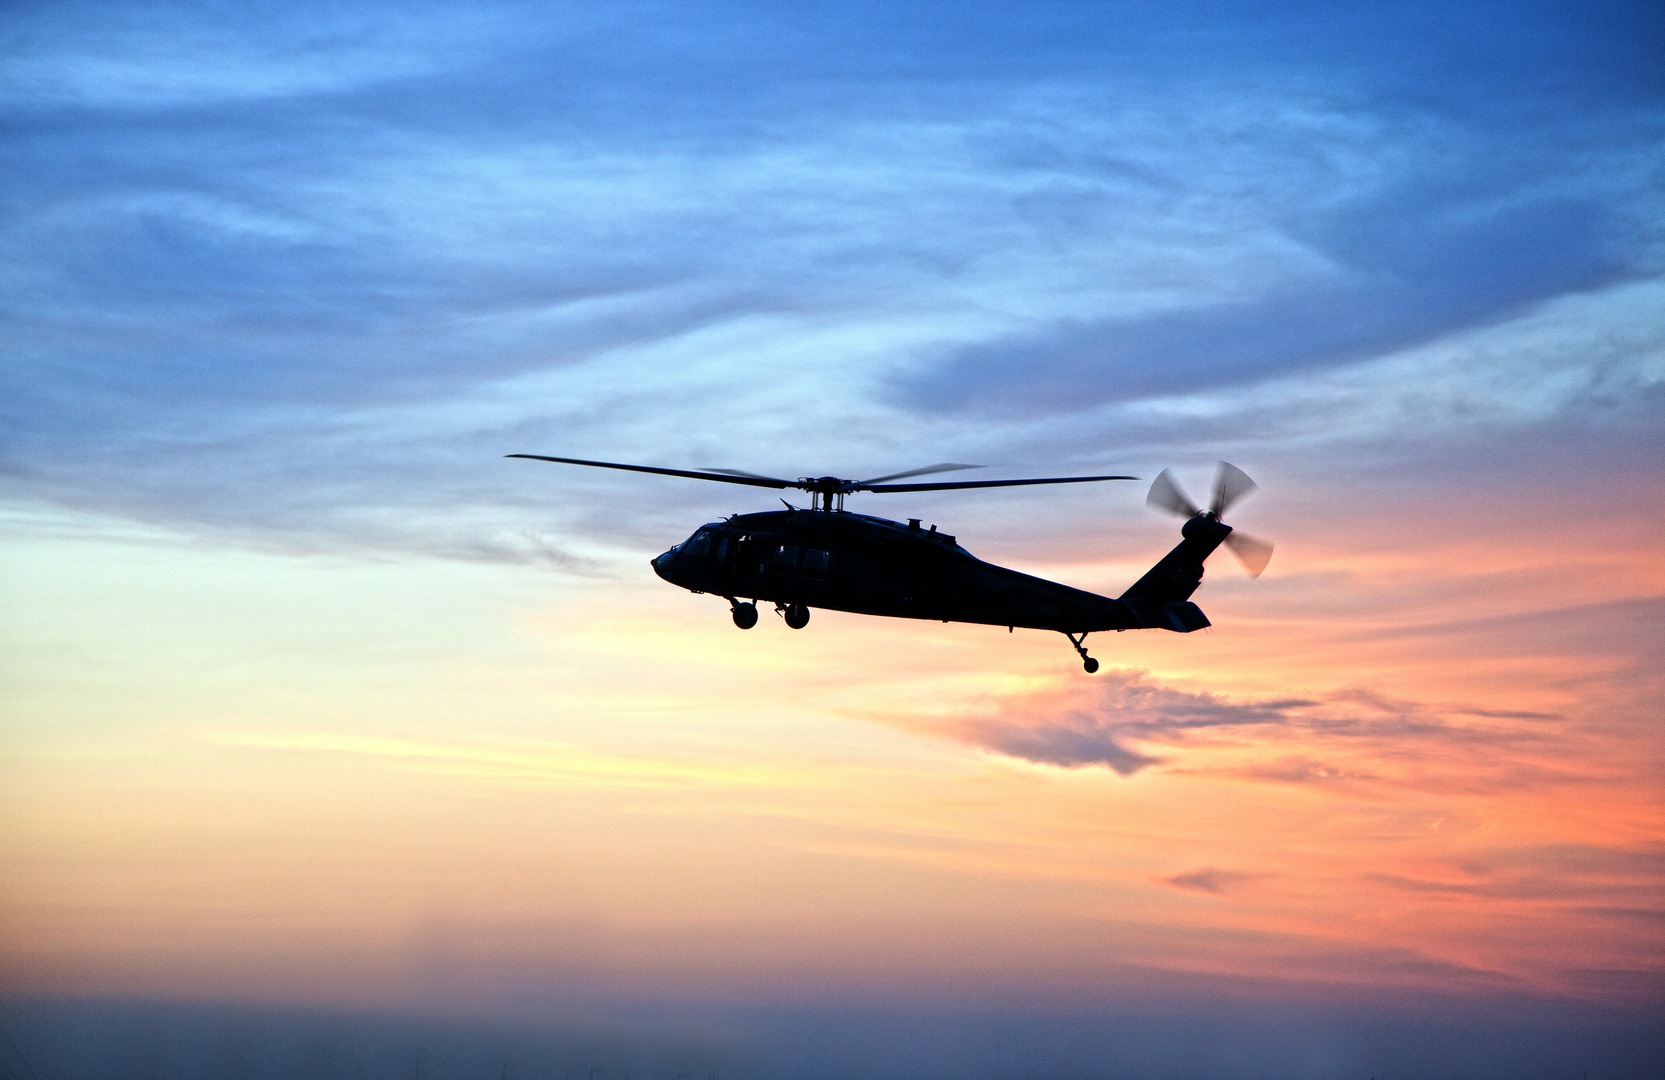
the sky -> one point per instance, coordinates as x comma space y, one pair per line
315, 709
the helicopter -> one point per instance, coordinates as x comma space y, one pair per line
827, 557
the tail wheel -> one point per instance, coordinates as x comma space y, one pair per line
1088, 664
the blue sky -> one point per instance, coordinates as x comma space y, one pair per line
247, 246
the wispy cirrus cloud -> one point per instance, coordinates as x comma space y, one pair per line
1624, 878
1096, 728
297, 238
1128, 722
1401, 271
1210, 880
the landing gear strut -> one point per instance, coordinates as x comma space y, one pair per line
1088, 664
796, 615
745, 615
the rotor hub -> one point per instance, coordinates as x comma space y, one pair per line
824, 485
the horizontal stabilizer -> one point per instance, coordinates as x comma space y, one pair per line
1180, 616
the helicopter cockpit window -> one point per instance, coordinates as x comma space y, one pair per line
786, 559
698, 545
815, 563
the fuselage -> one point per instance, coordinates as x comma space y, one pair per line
872, 566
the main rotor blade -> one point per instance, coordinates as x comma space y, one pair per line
1230, 484
750, 481
1254, 554
738, 472
991, 483
1165, 494
946, 466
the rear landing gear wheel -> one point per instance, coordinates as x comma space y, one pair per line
745, 616
797, 616
1089, 665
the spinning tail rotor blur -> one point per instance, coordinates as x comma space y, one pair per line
1230, 485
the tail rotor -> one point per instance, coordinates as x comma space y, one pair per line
1230, 485
1253, 554
1165, 494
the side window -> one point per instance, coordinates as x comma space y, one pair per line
815, 563
786, 560
723, 548
751, 556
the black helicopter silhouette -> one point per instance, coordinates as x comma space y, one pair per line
827, 557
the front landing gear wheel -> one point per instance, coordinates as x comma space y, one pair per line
1089, 665
796, 615
745, 615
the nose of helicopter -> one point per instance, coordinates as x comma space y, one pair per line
661, 565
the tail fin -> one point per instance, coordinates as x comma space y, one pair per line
1161, 599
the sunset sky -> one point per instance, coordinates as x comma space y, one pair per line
311, 700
